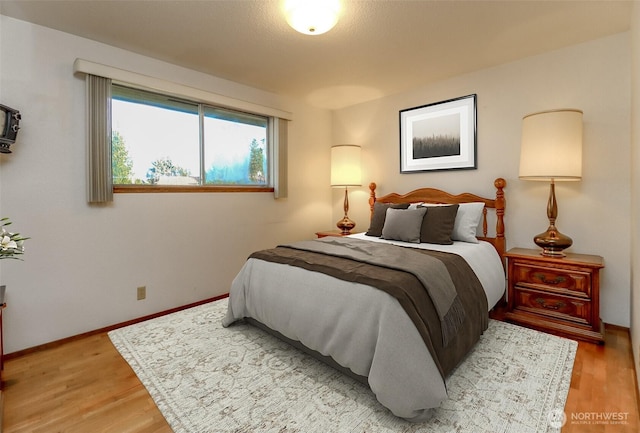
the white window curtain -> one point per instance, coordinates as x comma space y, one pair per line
99, 172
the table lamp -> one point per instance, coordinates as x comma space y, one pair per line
551, 150
345, 172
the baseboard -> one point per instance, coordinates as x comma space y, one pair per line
8, 356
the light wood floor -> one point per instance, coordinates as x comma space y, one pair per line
85, 386
603, 386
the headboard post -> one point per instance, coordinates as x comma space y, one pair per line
372, 196
500, 183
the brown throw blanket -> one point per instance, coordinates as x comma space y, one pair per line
429, 270
406, 288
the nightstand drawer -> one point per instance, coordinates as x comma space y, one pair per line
561, 281
553, 306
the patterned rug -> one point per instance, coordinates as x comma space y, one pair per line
205, 378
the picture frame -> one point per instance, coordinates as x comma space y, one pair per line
439, 136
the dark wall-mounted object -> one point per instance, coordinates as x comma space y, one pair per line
9, 126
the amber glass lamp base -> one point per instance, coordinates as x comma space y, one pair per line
553, 242
345, 225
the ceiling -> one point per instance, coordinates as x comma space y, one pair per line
378, 47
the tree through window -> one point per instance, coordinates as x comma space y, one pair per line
161, 140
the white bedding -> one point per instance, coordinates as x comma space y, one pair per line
360, 327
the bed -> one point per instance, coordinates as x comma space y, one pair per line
392, 310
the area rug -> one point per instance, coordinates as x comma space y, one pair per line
205, 378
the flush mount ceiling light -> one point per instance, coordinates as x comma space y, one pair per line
312, 17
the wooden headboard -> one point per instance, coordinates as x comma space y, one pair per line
431, 195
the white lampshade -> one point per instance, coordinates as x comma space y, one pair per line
312, 17
345, 165
551, 145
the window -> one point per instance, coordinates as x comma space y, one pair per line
158, 140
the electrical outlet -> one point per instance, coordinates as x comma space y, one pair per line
142, 292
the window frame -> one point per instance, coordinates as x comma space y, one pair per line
203, 187
99, 189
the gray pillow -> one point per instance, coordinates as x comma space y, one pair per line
437, 224
379, 215
403, 224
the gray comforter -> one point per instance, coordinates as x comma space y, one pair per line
428, 267
360, 327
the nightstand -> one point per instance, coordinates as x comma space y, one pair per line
336, 233
557, 295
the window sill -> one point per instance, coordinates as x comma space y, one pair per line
120, 189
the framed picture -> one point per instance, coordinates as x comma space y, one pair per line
439, 136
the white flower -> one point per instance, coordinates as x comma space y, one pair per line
11, 244
8, 244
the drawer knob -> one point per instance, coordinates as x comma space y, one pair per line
543, 279
550, 306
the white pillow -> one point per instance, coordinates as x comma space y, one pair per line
466, 224
467, 221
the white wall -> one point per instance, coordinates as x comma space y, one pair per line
635, 188
83, 263
595, 212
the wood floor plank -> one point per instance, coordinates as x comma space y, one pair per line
85, 386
